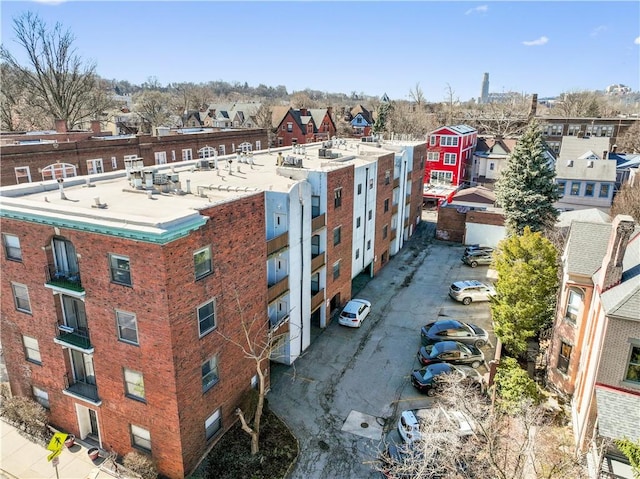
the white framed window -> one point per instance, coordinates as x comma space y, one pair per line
441, 176
258, 145
173, 156
120, 269
289, 127
12, 249
432, 140
21, 297
213, 424
140, 437
202, 262
448, 140
41, 396
23, 174
573, 130
450, 158
187, 155
206, 317
133, 384
207, 152
58, 170
210, 373
433, 156
160, 157
114, 163
94, 166
127, 324
222, 149
245, 147
31, 349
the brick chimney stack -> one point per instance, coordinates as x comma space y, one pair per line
534, 106
611, 271
61, 125
95, 126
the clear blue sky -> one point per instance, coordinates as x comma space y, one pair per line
544, 47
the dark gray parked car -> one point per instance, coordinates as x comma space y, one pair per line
453, 330
452, 352
474, 258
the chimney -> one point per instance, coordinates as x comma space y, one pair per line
605, 155
614, 148
303, 112
534, 106
96, 127
61, 125
330, 111
611, 271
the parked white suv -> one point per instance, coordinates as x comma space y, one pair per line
471, 290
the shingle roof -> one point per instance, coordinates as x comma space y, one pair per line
573, 147
623, 300
591, 215
586, 247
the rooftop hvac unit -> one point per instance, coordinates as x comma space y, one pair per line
322, 152
203, 164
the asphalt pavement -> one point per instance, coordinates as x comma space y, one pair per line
343, 396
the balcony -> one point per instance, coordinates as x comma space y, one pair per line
318, 222
277, 289
396, 182
406, 222
74, 338
394, 209
279, 327
81, 389
317, 299
277, 243
63, 280
317, 262
407, 199
393, 234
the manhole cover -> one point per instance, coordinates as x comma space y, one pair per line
364, 425
323, 445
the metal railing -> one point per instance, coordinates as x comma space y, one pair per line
78, 337
62, 278
81, 387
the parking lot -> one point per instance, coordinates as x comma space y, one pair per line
343, 397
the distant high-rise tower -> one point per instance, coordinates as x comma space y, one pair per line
484, 96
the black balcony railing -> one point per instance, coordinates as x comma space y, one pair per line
78, 337
64, 279
81, 388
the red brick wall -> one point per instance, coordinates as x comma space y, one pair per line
341, 216
417, 182
164, 297
485, 218
451, 225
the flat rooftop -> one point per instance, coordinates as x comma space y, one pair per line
113, 200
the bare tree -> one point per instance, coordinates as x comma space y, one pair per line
449, 98
630, 141
264, 119
417, 95
578, 104
504, 119
259, 343
153, 107
627, 202
59, 82
11, 95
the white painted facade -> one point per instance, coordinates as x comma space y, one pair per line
364, 214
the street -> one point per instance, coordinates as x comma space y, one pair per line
343, 397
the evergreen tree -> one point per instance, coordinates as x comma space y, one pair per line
526, 288
526, 188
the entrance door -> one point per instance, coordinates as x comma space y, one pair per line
93, 426
88, 424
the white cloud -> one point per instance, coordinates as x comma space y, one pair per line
637, 41
533, 43
598, 30
478, 9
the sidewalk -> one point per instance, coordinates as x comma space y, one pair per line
23, 459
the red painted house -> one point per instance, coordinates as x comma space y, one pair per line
305, 125
449, 153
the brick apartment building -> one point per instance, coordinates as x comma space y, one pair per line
114, 293
41, 156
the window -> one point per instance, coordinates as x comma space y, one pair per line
337, 234
58, 170
173, 155
370, 215
114, 163
337, 197
187, 155
359, 188
258, 145
41, 396
222, 149
564, 357
357, 253
23, 175
573, 130
387, 177
210, 374
492, 166
450, 158
633, 369
336, 270
368, 245
206, 317
589, 188
202, 262
385, 231
561, 187
358, 222
120, 269
556, 130
575, 188
432, 140
207, 152
441, 176
160, 157
31, 349
21, 297
140, 437
133, 384
554, 146
386, 205
127, 327
12, 248
213, 424
94, 166
433, 156
448, 140
574, 302
289, 127
604, 191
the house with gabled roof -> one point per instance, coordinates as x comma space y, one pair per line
303, 125
361, 121
594, 358
489, 159
585, 175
